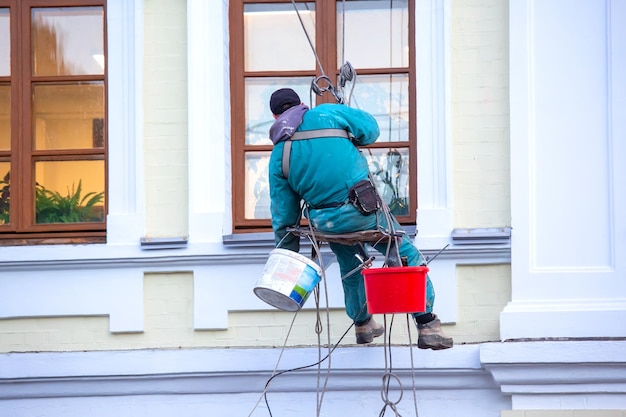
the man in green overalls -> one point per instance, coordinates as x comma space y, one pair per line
320, 165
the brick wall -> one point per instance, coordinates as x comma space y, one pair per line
480, 112
165, 117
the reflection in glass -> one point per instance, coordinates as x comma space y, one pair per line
69, 192
5, 42
257, 189
68, 41
5, 193
274, 39
386, 97
384, 24
68, 115
5, 117
390, 170
258, 115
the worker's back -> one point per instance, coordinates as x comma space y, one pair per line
322, 170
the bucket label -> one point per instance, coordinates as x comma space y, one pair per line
307, 282
287, 276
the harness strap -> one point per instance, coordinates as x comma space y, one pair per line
286, 154
310, 134
322, 133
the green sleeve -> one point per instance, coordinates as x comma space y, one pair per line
285, 203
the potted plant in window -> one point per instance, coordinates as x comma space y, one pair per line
53, 207
5, 198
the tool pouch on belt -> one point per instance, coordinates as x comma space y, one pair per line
364, 197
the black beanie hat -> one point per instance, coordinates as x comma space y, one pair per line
283, 99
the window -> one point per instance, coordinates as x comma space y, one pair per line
271, 48
52, 121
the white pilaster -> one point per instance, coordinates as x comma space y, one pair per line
568, 164
208, 112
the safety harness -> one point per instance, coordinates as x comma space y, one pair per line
310, 134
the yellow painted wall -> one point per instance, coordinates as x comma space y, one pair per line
165, 117
480, 113
480, 136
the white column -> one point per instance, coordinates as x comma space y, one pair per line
432, 40
126, 217
209, 109
568, 169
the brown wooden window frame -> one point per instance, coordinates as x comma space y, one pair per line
22, 229
326, 49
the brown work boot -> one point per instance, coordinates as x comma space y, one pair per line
432, 337
365, 333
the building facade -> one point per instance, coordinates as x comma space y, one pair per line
519, 119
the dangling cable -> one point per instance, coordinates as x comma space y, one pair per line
318, 330
274, 373
408, 329
388, 375
347, 71
315, 83
308, 38
392, 254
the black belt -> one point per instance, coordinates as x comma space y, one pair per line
329, 205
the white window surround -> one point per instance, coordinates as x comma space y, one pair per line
209, 121
126, 218
209, 145
434, 217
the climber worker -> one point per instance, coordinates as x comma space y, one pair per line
315, 159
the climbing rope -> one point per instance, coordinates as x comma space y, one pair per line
319, 327
320, 85
323, 83
388, 375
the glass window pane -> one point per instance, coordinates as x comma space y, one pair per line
5, 43
390, 170
5, 117
68, 40
274, 39
69, 191
387, 98
385, 26
257, 189
259, 117
5, 192
68, 115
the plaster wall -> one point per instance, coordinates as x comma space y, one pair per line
480, 113
168, 317
165, 118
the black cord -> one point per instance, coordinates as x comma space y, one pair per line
302, 367
363, 308
388, 372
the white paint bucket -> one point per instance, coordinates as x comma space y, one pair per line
288, 279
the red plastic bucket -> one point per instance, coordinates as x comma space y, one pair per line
400, 289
